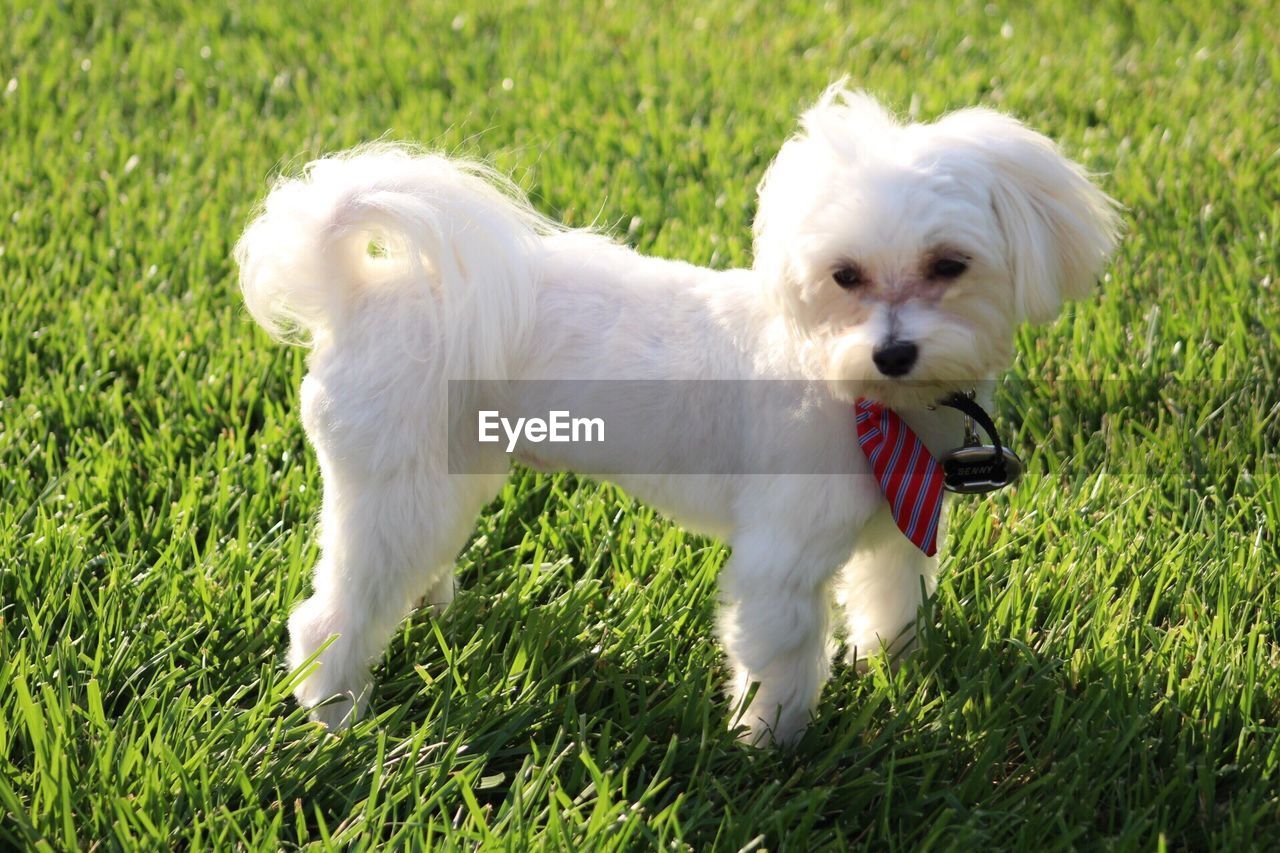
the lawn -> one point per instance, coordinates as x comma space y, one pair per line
1100, 665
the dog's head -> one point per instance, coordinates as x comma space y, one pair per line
909, 253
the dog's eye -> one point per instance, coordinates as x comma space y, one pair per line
947, 268
848, 277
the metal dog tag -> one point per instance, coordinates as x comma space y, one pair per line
977, 468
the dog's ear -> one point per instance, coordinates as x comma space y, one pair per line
839, 130
1059, 228
835, 131
846, 121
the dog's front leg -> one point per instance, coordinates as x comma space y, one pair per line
881, 589
774, 625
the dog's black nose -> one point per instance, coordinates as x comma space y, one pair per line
895, 358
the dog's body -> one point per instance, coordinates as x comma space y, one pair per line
473, 285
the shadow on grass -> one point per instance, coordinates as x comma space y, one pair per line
534, 702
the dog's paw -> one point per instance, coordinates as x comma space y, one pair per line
895, 652
784, 731
339, 712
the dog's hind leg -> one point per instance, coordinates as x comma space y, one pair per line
881, 589
386, 538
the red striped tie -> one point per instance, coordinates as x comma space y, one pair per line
909, 476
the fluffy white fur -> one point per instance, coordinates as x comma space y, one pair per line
468, 282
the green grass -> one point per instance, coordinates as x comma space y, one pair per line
1100, 664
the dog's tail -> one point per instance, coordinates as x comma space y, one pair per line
452, 236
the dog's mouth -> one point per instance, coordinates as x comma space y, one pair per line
896, 393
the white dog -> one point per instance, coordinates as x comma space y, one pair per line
892, 262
